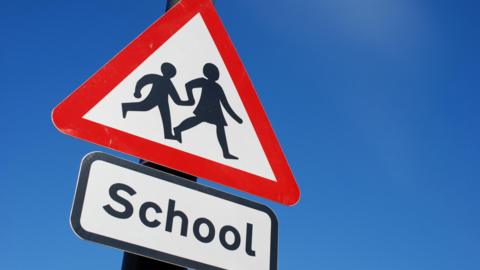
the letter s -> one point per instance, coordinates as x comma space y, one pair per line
114, 189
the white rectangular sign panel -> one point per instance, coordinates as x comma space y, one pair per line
168, 218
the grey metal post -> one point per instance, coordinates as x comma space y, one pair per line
136, 262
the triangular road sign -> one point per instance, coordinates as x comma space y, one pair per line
179, 96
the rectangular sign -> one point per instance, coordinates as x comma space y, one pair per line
168, 218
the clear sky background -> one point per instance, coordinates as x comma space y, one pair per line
375, 103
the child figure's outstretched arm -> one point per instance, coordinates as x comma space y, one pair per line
147, 79
196, 83
226, 105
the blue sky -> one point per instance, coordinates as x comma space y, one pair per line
375, 103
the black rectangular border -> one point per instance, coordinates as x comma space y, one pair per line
151, 253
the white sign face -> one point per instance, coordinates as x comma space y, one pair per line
155, 214
143, 116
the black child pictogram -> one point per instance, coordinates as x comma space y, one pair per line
208, 110
162, 88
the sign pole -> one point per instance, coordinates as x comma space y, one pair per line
136, 262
